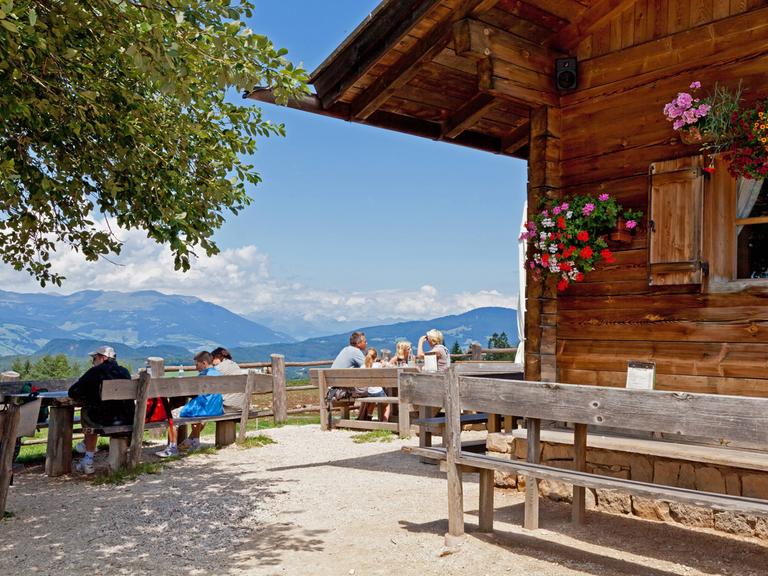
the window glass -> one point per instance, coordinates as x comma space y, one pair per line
752, 234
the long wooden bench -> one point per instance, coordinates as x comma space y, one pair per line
144, 387
387, 378
726, 418
432, 400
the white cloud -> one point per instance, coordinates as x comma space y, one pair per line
239, 279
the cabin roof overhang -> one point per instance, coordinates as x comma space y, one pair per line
468, 72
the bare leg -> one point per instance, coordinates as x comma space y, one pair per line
196, 429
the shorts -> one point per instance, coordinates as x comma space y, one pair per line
176, 412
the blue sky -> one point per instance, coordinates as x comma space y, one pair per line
351, 223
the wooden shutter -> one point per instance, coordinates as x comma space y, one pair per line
677, 192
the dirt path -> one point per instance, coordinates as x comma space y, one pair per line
317, 504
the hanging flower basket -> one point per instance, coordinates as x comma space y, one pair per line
568, 239
621, 233
693, 135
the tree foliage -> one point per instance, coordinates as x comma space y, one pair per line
499, 341
47, 368
117, 108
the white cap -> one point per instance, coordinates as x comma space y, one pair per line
107, 351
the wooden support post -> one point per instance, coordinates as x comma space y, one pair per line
494, 423
9, 424
403, 412
142, 393
326, 415
118, 453
486, 500
246, 409
156, 366
455, 535
509, 423
279, 400
225, 433
531, 521
58, 452
476, 351
580, 465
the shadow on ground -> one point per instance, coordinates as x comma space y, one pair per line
611, 544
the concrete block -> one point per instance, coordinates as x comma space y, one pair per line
691, 515
650, 509
614, 501
735, 523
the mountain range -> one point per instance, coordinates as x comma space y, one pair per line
148, 323
29, 322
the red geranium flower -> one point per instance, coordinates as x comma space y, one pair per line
586, 252
582, 236
561, 223
562, 285
607, 255
579, 277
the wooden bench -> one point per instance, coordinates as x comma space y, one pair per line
144, 387
726, 418
427, 393
386, 378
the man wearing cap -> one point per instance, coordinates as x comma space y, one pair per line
96, 413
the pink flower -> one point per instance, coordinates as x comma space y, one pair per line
603, 197
630, 224
564, 206
684, 100
695, 84
556, 210
679, 123
588, 209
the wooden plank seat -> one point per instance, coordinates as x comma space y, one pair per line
717, 417
125, 441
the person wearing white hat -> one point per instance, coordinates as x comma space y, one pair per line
96, 413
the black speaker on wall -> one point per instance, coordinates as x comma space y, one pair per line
566, 77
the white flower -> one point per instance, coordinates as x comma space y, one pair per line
553, 248
569, 214
547, 223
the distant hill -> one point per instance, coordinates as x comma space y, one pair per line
474, 326
29, 322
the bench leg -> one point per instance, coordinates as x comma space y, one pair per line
486, 500
225, 433
531, 521
118, 453
425, 436
9, 426
404, 420
58, 454
580, 464
494, 423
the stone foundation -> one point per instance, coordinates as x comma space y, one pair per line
644, 468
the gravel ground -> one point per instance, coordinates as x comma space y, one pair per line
315, 503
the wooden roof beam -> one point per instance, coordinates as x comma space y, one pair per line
408, 66
359, 54
601, 11
508, 66
468, 115
519, 138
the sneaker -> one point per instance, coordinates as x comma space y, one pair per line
168, 452
80, 447
190, 444
85, 466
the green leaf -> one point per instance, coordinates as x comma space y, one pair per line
10, 26
32, 15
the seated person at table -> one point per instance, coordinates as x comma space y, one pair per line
402, 354
203, 405
222, 361
435, 339
366, 408
351, 356
96, 413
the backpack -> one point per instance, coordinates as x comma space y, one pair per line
203, 405
335, 394
33, 391
157, 410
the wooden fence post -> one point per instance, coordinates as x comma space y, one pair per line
326, 415
279, 400
531, 520
455, 535
157, 366
249, 382
9, 424
476, 351
580, 464
9, 376
142, 393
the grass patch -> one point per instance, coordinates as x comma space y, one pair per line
35, 453
122, 476
373, 436
257, 441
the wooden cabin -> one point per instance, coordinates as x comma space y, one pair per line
482, 73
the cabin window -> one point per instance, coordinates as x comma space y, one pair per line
707, 229
752, 229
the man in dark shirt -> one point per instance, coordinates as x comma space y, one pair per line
96, 413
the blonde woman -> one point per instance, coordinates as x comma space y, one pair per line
366, 408
402, 353
435, 340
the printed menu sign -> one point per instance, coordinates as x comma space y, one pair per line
641, 375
